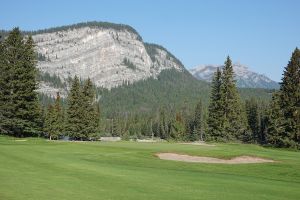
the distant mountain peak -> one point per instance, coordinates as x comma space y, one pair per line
244, 76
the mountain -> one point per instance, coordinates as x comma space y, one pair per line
171, 90
110, 54
131, 76
245, 78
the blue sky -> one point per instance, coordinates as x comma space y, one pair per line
258, 33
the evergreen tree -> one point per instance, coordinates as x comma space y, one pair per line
54, 122
234, 118
90, 116
3, 85
176, 128
198, 119
290, 100
58, 126
215, 120
19, 102
190, 133
74, 122
253, 119
33, 109
263, 122
163, 128
276, 133
49, 121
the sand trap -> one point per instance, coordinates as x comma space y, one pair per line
199, 159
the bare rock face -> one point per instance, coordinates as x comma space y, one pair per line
109, 57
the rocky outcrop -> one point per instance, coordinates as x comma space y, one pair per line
109, 55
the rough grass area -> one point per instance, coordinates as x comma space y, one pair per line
39, 169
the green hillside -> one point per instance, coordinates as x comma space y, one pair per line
172, 89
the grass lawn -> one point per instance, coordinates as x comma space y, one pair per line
40, 169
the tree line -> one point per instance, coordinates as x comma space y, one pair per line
21, 113
226, 118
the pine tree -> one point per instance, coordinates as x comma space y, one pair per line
10, 56
234, 118
290, 99
30, 96
49, 121
177, 129
19, 103
54, 122
163, 129
215, 121
3, 86
198, 121
59, 117
253, 120
74, 123
263, 122
276, 133
189, 133
90, 116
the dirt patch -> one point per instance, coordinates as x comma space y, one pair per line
199, 159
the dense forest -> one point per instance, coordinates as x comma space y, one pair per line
175, 106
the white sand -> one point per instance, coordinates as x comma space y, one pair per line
200, 159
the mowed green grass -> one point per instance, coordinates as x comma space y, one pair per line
40, 169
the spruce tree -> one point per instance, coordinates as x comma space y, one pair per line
253, 119
19, 103
263, 122
54, 122
198, 121
290, 99
163, 129
177, 129
90, 116
3, 85
30, 97
215, 121
276, 134
74, 122
59, 116
10, 57
234, 117
49, 122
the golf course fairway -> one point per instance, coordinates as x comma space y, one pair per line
38, 169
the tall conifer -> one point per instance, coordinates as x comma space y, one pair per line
198, 121
253, 119
234, 117
215, 115
90, 116
19, 103
276, 132
74, 123
290, 97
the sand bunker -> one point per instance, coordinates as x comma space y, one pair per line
199, 159
20, 140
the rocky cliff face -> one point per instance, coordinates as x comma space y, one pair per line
244, 77
110, 56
